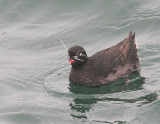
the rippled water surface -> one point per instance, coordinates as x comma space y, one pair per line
34, 86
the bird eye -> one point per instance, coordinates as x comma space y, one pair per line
80, 54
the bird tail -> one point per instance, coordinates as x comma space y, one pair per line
129, 48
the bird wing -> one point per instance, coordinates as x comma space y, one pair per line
117, 60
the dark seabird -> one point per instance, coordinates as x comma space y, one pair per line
105, 66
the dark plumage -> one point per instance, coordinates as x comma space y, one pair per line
106, 65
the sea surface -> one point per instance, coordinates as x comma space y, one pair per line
34, 69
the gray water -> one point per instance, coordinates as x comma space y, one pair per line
34, 86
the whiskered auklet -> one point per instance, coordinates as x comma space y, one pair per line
104, 66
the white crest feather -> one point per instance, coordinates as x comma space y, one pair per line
64, 45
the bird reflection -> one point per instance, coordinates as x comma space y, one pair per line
85, 98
